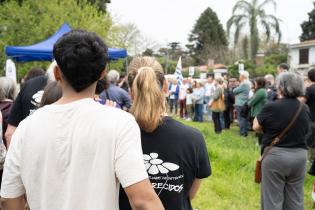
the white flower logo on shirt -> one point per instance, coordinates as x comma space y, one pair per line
37, 97
155, 165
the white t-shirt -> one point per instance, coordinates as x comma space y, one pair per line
183, 92
189, 99
73, 156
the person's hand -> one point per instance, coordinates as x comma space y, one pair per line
110, 103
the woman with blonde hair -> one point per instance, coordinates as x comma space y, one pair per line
175, 155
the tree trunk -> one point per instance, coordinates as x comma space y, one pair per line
254, 39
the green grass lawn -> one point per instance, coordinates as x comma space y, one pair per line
231, 185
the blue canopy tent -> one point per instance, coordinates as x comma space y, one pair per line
42, 51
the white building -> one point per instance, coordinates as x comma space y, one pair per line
219, 70
302, 56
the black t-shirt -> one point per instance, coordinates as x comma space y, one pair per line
27, 100
310, 100
276, 116
174, 155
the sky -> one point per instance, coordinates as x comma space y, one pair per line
167, 21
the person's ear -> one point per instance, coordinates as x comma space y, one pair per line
57, 73
103, 74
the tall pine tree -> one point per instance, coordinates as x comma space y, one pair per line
208, 38
308, 27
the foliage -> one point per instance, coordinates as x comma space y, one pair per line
266, 69
35, 20
175, 51
168, 56
308, 27
119, 65
208, 38
169, 66
276, 59
253, 14
124, 36
248, 66
231, 185
196, 73
100, 4
270, 64
148, 52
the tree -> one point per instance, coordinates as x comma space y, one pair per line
207, 39
148, 52
308, 27
35, 20
100, 4
253, 14
125, 36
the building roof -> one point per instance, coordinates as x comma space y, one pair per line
219, 66
309, 43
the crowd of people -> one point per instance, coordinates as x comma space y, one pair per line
266, 106
79, 137
222, 99
66, 150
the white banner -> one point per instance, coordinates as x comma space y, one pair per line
10, 69
191, 71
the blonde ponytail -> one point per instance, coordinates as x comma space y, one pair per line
146, 83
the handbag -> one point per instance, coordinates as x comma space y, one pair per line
245, 110
273, 143
218, 104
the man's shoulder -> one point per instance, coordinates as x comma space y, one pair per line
116, 89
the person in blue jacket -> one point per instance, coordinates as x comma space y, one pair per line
174, 92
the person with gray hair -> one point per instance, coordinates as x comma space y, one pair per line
113, 76
7, 96
284, 166
115, 93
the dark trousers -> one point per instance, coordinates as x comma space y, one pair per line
173, 102
198, 113
243, 122
227, 118
182, 108
216, 121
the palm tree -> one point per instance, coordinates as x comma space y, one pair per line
251, 13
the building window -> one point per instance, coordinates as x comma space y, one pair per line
304, 54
